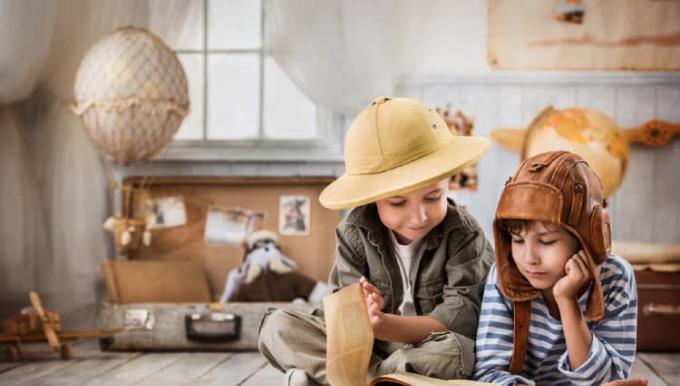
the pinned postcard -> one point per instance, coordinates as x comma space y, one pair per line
294, 213
165, 212
231, 225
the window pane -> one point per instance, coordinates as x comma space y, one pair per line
288, 113
233, 96
178, 22
234, 24
192, 126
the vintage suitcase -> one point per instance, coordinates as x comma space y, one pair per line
162, 296
186, 326
658, 308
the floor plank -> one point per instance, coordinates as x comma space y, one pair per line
33, 370
266, 375
94, 367
666, 365
83, 370
186, 370
232, 372
133, 371
641, 370
6, 366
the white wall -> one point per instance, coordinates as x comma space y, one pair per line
456, 40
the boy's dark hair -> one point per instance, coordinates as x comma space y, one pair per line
513, 226
516, 226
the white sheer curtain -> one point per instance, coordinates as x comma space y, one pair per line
342, 54
23, 238
53, 194
25, 23
74, 183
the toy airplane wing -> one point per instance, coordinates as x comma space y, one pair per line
511, 139
64, 335
50, 334
68, 335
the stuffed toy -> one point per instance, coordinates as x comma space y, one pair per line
268, 275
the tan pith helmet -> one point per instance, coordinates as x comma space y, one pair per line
397, 145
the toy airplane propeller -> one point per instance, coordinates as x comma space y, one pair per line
41, 326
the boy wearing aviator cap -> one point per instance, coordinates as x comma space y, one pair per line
421, 259
557, 309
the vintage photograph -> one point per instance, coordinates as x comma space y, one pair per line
165, 212
294, 215
231, 225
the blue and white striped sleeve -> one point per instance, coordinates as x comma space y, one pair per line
494, 337
612, 350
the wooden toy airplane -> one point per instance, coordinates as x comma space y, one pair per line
38, 326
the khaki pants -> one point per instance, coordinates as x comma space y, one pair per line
293, 339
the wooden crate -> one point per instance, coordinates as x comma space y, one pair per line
658, 310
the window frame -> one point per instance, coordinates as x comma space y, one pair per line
325, 146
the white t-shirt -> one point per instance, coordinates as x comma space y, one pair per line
407, 257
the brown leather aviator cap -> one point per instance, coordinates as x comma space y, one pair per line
559, 188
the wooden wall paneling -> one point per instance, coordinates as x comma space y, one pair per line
480, 102
632, 206
537, 97
600, 97
440, 95
509, 106
500, 163
410, 91
666, 166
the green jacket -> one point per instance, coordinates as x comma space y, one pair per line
450, 278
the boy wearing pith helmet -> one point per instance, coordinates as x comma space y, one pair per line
421, 259
558, 308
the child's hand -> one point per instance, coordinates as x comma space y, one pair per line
374, 302
576, 277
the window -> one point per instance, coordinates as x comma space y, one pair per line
240, 98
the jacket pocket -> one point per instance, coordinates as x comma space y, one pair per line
383, 286
428, 295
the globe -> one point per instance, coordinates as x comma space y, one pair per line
586, 132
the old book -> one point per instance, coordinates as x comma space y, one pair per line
349, 342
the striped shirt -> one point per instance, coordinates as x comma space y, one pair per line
611, 352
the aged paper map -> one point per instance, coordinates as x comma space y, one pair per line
349, 343
584, 35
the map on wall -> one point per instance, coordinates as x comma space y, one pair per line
584, 35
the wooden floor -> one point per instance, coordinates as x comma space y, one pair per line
94, 367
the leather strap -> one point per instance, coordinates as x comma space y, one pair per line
520, 335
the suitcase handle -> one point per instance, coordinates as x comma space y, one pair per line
660, 309
212, 327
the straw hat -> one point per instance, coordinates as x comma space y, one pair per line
394, 146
